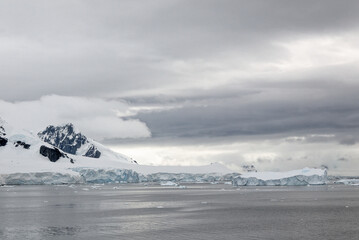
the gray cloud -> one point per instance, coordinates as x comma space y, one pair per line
343, 159
268, 111
195, 72
348, 140
88, 47
95, 117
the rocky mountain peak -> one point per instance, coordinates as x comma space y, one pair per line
249, 168
69, 140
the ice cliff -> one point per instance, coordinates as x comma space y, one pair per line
39, 178
303, 177
91, 175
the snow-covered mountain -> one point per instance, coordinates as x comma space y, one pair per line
21, 150
61, 155
62, 145
69, 140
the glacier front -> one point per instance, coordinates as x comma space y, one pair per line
40, 178
302, 177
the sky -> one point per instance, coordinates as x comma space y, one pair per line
270, 83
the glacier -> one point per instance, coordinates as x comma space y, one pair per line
98, 176
108, 175
302, 177
188, 177
40, 178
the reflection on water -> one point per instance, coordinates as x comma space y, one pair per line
59, 231
197, 212
71, 205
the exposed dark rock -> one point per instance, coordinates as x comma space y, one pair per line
23, 144
93, 152
63, 137
69, 141
2, 131
249, 168
52, 153
3, 141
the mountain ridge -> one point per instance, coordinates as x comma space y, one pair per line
69, 140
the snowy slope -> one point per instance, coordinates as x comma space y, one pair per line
14, 157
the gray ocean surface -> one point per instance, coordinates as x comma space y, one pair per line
200, 211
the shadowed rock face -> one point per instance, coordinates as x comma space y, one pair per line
2, 131
93, 152
3, 141
52, 153
69, 141
249, 168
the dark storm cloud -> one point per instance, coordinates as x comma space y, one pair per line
193, 28
100, 49
332, 108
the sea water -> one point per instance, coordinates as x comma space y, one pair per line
199, 211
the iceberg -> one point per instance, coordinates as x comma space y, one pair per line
348, 181
168, 183
303, 177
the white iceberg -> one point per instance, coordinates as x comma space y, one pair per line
168, 183
348, 181
303, 177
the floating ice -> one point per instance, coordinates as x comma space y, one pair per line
353, 182
168, 183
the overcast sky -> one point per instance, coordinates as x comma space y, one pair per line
269, 83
